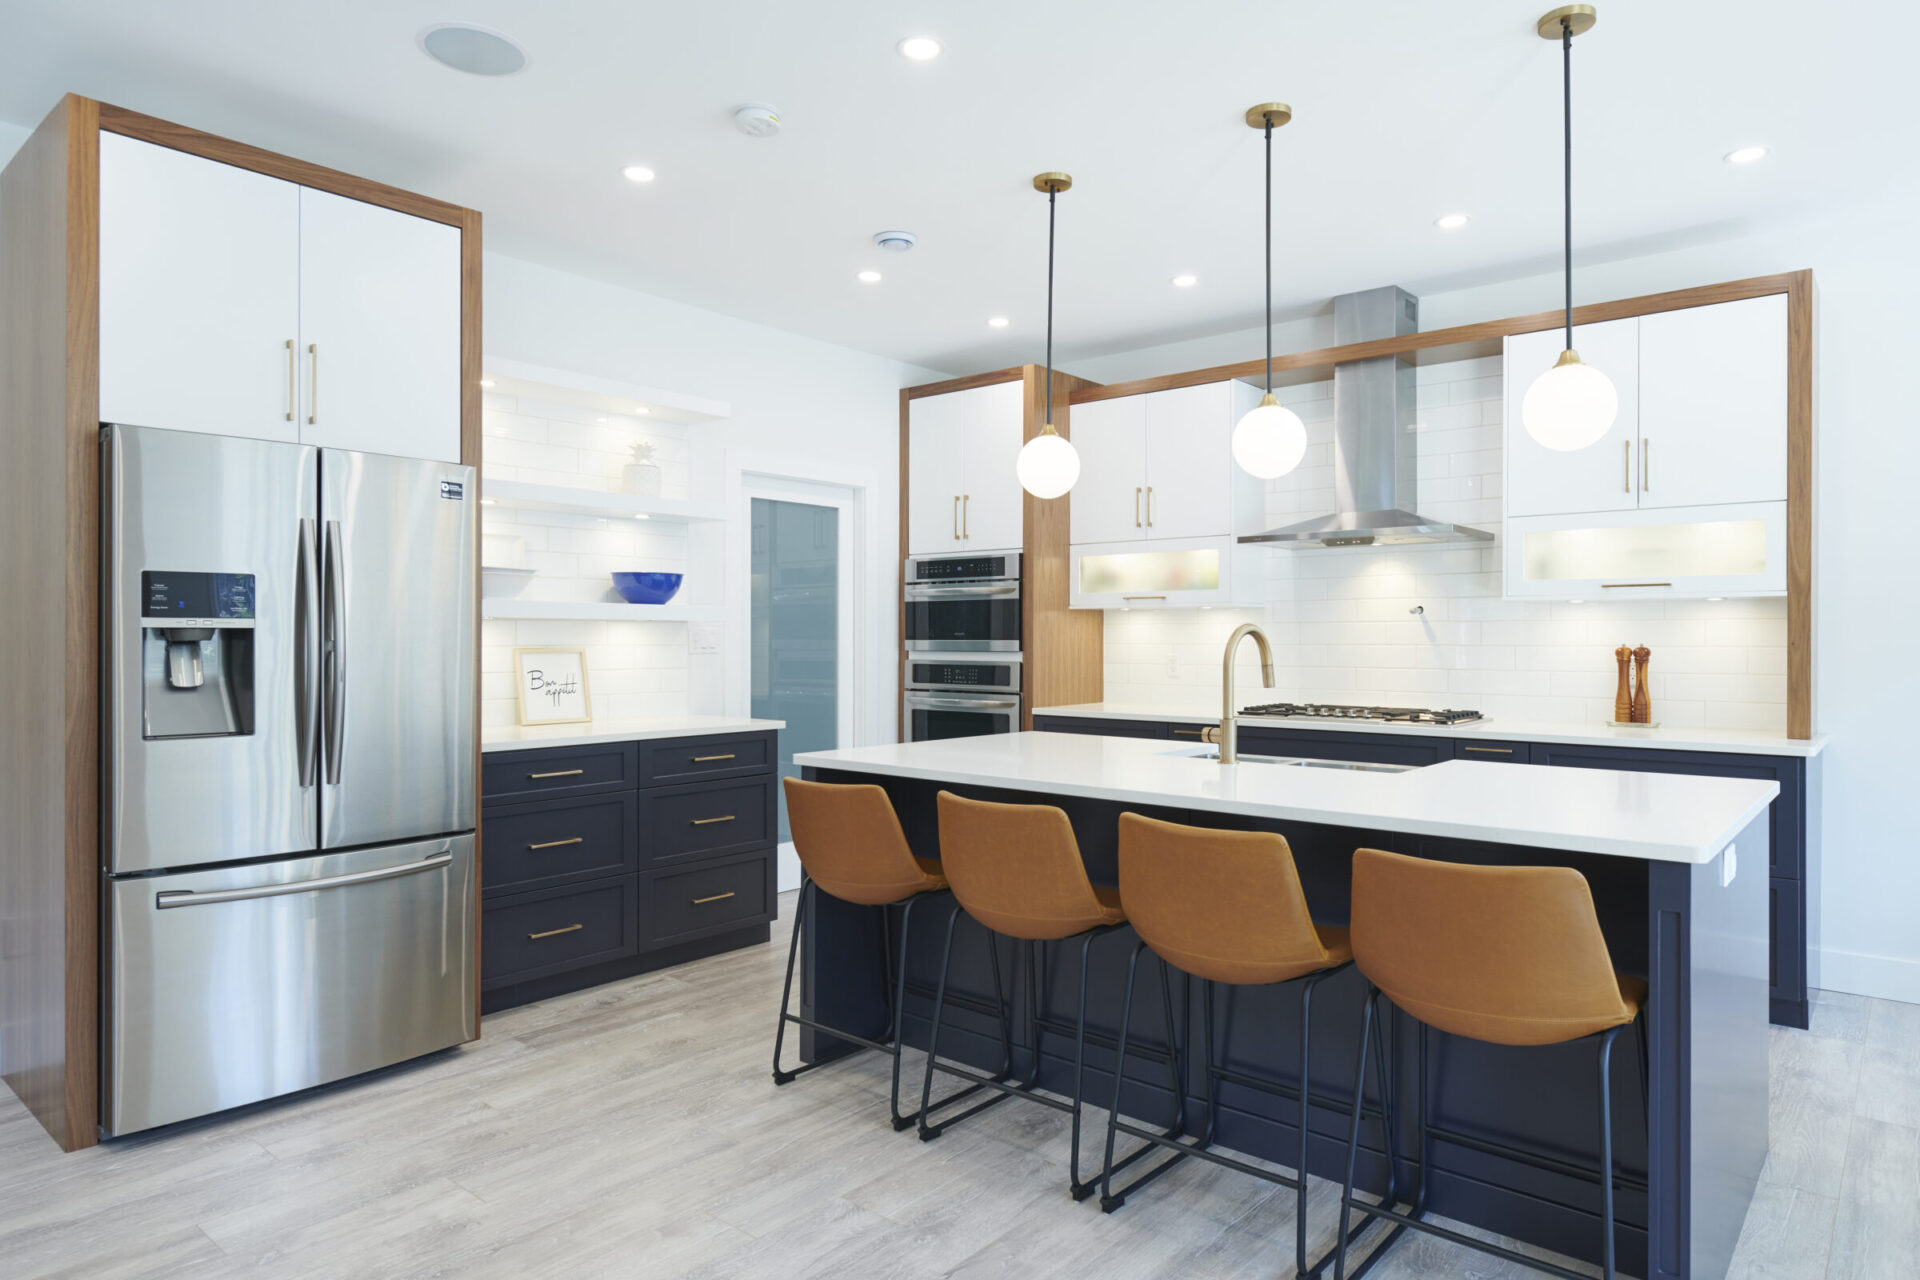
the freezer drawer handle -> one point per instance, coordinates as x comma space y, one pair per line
718, 897
204, 897
702, 822
710, 759
554, 933
558, 773
555, 844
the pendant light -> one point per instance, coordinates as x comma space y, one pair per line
1573, 404
1048, 463
1269, 440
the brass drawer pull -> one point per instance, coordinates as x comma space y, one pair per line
313, 385
715, 898
555, 844
1191, 733
559, 773
1493, 751
554, 933
1610, 586
701, 822
291, 378
711, 759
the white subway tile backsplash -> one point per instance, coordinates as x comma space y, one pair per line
1342, 631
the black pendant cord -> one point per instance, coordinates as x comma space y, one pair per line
1051, 196
1269, 253
1566, 99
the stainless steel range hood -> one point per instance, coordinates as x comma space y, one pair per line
1375, 484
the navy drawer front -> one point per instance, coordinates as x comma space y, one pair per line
1491, 751
551, 842
690, 759
1101, 728
534, 935
706, 819
708, 897
1367, 748
562, 771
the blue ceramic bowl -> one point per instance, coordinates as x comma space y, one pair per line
647, 588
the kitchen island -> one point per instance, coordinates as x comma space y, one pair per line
1677, 867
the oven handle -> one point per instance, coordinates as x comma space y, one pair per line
929, 591
945, 700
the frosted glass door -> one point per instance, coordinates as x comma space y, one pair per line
795, 622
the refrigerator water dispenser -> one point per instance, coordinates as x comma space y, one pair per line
197, 654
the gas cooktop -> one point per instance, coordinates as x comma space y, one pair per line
1385, 715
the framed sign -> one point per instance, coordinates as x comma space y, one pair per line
551, 685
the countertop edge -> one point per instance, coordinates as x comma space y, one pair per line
590, 735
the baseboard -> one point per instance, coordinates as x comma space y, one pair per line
1858, 973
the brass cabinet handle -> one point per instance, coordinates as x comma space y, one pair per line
1143, 597
966, 514
1644, 486
1149, 506
956, 517
555, 844
703, 822
710, 759
718, 897
1137, 491
558, 773
292, 360
1493, 751
313, 385
1192, 733
1626, 466
1610, 586
554, 933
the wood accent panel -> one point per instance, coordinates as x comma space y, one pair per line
1801, 301
181, 138
1064, 647
1466, 335
967, 383
49, 568
471, 447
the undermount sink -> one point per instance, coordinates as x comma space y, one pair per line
1213, 753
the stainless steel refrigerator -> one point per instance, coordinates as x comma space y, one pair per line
290, 798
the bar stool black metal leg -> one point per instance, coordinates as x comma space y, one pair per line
928, 1132
1353, 1138
1606, 1153
1176, 1069
786, 989
901, 1122
1306, 1094
1075, 1187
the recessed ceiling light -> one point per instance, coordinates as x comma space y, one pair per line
1450, 221
1185, 280
869, 277
998, 322
919, 48
1747, 155
487, 382
474, 50
637, 173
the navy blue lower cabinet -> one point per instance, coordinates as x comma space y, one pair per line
607, 861
1102, 728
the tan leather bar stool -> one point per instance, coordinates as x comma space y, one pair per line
1504, 955
1016, 869
851, 847
1224, 907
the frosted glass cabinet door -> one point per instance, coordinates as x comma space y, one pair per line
1713, 404
934, 428
379, 329
199, 293
1109, 500
1189, 456
1601, 477
993, 505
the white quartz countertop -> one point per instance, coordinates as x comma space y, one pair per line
518, 737
1571, 732
1654, 817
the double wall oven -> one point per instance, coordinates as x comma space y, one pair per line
963, 672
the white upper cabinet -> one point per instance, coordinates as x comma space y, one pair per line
1713, 404
379, 329
199, 293
992, 504
238, 304
963, 491
1109, 499
1604, 475
1190, 469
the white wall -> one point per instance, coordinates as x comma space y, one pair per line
1867, 611
806, 403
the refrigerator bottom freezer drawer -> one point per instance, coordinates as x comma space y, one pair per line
230, 986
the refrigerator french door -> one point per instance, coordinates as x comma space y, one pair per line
288, 657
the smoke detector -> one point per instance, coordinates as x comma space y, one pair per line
757, 120
895, 241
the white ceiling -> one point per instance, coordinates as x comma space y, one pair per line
1405, 109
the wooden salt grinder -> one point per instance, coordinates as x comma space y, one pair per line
1623, 693
1642, 693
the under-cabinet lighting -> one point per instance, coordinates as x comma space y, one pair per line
487, 383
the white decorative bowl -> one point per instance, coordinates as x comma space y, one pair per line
503, 584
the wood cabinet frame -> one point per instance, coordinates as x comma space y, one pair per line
50, 573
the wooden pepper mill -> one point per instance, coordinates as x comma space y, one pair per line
1642, 692
1623, 692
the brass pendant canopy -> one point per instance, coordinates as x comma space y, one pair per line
1580, 19
1052, 183
1274, 113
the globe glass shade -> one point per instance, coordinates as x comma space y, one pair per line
1269, 440
1048, 465
1570, 406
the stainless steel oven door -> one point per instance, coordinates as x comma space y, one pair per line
964, 673
978, 617
932, 716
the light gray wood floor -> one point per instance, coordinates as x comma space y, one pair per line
633, 1131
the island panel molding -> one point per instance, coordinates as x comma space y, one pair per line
50, 568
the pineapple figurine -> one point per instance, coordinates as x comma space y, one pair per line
641, 477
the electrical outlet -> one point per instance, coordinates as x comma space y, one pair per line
704, 637
1173, 664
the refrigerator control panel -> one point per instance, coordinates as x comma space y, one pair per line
227, 597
